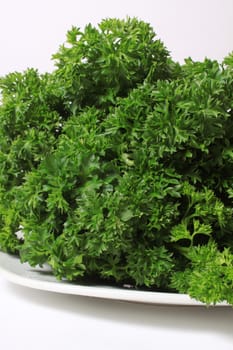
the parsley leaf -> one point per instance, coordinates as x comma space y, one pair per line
118, 165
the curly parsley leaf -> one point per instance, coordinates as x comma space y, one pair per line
119, 164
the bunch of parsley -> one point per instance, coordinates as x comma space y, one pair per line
118, 165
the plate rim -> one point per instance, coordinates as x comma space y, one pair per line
22, 274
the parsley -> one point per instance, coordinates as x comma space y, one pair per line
119, 164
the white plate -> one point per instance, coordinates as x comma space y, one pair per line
41, 278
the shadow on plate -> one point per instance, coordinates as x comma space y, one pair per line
213, 320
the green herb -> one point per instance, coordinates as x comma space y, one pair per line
119, 164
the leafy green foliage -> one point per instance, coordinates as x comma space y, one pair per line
119, 164
209, 277
99, 64
30, 124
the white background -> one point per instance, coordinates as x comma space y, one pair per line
30, 32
